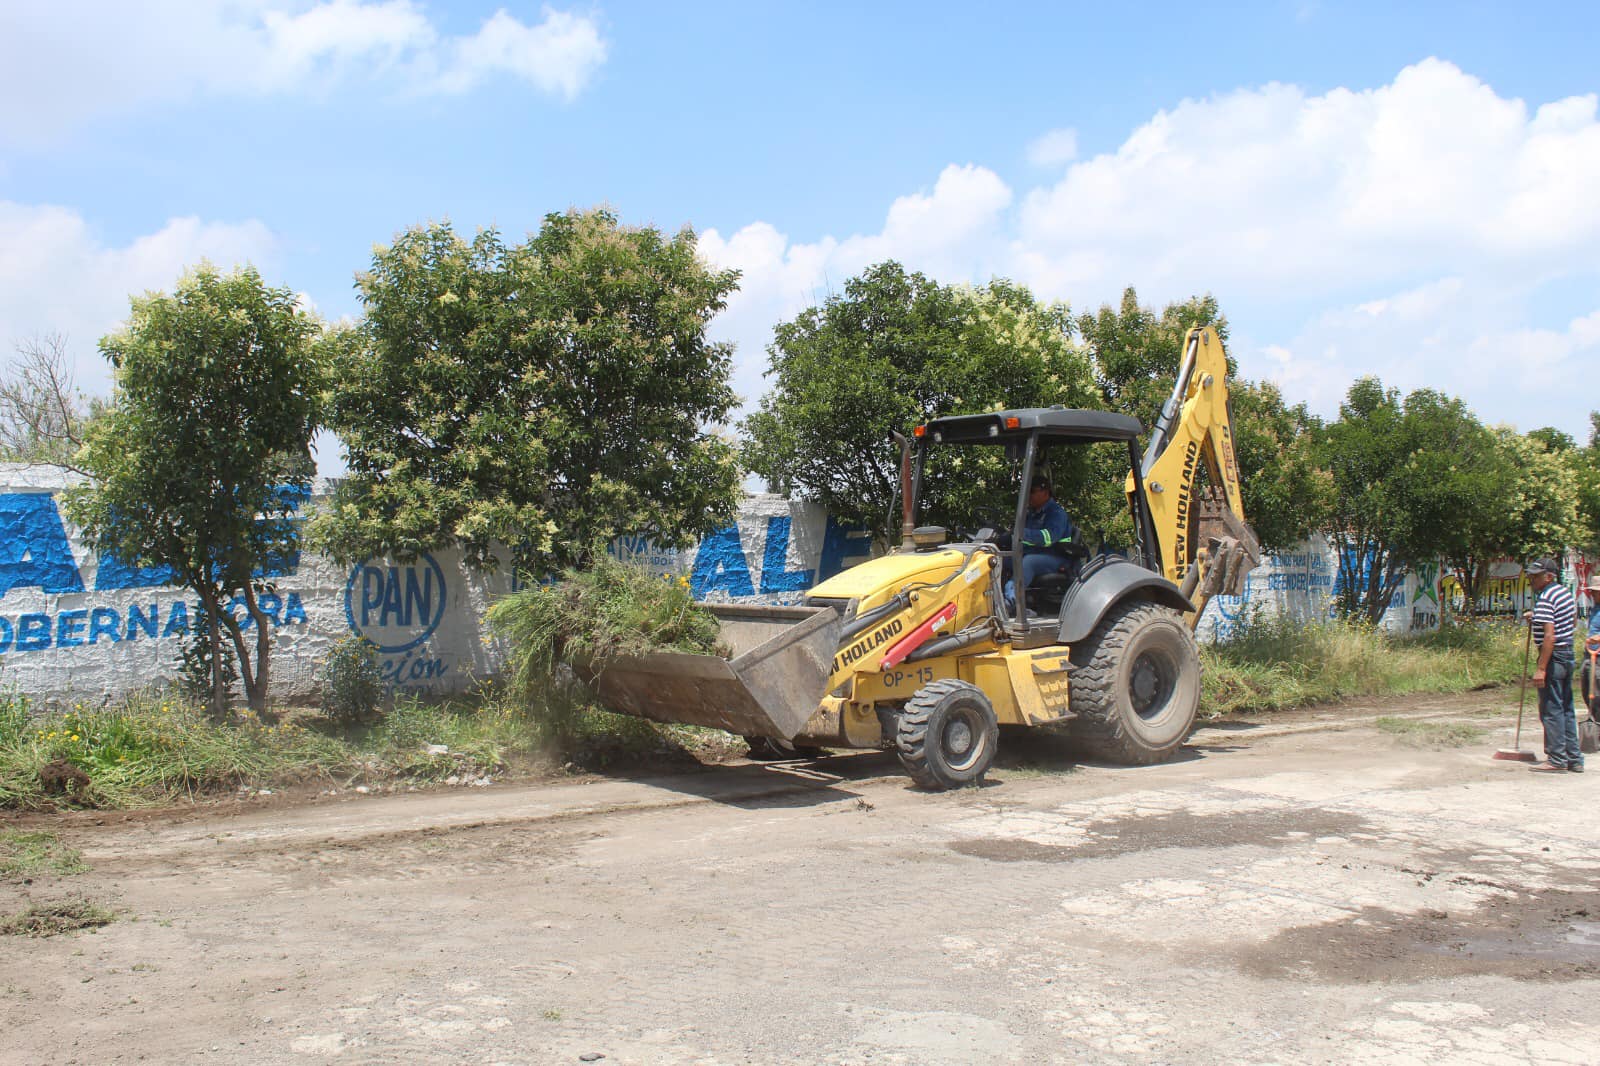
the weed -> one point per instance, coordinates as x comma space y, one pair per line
1271, 663
587, 618
1424, 733
27, 854
54, 918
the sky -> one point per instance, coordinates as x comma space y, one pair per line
1410, 193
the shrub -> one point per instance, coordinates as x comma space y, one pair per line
352, 685
194, 667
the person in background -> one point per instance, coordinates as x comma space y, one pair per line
1554, 619
1589, 675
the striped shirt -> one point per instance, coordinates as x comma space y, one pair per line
1556, 606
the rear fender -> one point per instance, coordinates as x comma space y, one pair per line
1104, 587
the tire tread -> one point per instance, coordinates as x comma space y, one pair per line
911, 738
1092, 689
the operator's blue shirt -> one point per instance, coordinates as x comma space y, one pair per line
1047, 529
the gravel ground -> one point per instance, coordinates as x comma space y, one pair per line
1302, 889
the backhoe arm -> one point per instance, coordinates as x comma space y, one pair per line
1206, 547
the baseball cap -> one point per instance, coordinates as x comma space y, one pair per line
1541, 566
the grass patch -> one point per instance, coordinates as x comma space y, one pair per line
151, 751
28, 854
55, 918
1426, 733
1275, 663
154, 751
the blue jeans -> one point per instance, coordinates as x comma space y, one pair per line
1034, 567
1556, 714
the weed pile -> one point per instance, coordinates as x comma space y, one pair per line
1275, 663
55, 918
588, 618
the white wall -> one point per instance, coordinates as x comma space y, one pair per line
74, 627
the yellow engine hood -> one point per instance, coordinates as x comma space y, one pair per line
886, 575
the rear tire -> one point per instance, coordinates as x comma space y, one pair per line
947, 736
1135, 685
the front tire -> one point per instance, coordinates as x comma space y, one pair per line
1135, 685
947, 735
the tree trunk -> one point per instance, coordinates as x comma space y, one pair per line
219, 690
247, 674
259, 691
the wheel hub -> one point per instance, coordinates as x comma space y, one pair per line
1150, 684
958, 738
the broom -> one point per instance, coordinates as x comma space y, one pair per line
1515, 752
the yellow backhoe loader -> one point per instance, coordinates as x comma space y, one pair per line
916, 650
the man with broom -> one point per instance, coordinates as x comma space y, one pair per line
1554, 619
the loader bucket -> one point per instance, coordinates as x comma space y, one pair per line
769, 687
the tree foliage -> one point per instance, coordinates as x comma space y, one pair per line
1543, 503
1137, 354
1423, 480
1585, 465
895, 349
1369, 522
544, 396
197, 464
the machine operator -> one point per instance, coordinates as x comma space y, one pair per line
1047, 535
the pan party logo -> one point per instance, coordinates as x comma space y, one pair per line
395, 607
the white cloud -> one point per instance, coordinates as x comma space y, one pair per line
56, 276
1340, 230
558, 55
55, 73
1054, 149
946, 231
335, 36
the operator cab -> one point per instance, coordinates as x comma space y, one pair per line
1029, 436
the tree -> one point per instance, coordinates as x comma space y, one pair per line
893, 350
1137, 354
1543, 502
1585, 465
196, 465
43, 417
1413, 481
1461, 484
1479, 495
545, 396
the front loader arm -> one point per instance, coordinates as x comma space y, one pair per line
1206, 546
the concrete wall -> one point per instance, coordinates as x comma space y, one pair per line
1301, 584
76, 627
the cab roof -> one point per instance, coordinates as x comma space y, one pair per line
1065, 423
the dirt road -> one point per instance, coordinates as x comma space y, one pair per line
1278, 895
